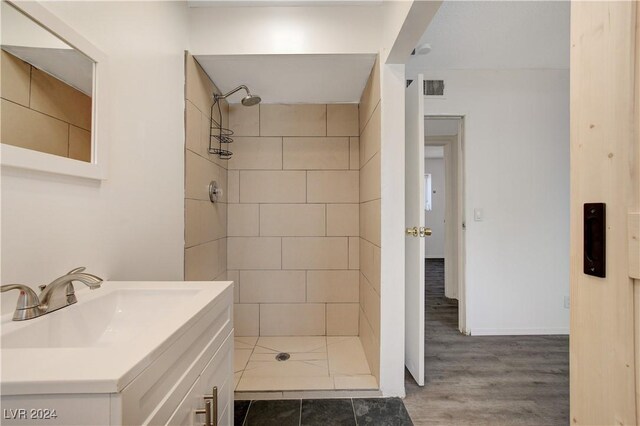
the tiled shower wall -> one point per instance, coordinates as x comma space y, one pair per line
205, 254
370, 224
293, 219
42, 113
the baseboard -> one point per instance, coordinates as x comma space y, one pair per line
434, 257
518, 331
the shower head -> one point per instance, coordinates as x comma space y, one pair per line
251, 100
248, 100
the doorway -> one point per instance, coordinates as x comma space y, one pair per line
444, 207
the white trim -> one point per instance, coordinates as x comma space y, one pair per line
519, 331
23, 158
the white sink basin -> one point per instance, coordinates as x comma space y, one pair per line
102, 342
110, 318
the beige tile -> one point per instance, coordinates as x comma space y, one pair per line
250, 396
332, 286
233, 186
256, 153
366, 259
244, 342
205, 136
235, 277
343, 220
199, 87
192, 223
370, 138
246, 319
268, 383
295, 344
240, 359
272, 187
355, 382
322, 394
57, 99
375, 279
301, 319
332, 186
15, 75
342, 120
236, 379
276, 369
346, 356
201, 262
79, 144
295, 356
199, 173
370, 221
293, 120
370, 179
316, 153
370, 304
370, 345
315, 253
342, 319
253, 253
272, 286
222, 255
354, 153
244, 121
243, 220
214, 221
32, 130
354, 253
370, 95
193, 127
292, 220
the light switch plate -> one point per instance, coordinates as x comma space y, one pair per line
478, 215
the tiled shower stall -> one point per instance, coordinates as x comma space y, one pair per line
297, 229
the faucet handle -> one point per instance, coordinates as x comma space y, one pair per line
76, 270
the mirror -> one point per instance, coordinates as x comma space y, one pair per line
48, 99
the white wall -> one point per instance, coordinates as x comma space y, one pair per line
434, 219
130, 226
277, 30
516, 170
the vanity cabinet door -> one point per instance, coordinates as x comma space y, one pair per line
218, 373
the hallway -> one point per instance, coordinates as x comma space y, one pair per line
506, 380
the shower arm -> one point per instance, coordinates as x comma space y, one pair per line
242, 86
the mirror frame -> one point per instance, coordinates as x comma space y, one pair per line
22, 158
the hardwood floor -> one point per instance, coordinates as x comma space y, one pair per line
492, 380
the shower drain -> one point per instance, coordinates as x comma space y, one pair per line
283, 356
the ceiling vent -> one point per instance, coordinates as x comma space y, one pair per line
433, 88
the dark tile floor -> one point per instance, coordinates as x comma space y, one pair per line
322, 412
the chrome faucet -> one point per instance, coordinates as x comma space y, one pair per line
58, 294
28, 304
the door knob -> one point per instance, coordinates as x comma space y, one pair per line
412, 231
425, 232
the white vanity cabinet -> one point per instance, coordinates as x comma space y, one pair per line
170, 386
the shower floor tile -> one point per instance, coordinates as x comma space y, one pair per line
315, 363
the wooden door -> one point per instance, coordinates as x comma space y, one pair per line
605, 317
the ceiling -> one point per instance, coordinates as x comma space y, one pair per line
496, 35
292, 78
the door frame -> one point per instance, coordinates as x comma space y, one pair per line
457, 216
